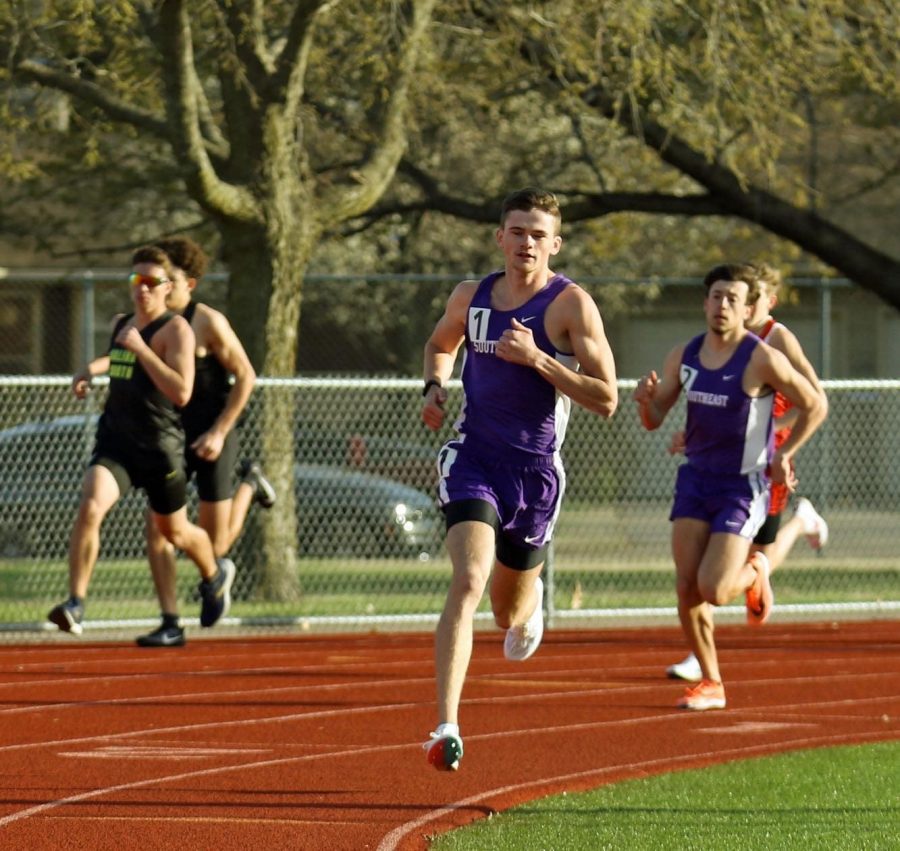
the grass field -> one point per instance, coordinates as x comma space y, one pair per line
340, 587
123, 590
818, 800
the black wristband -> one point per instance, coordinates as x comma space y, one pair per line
432, 382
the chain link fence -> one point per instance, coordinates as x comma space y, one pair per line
369, 537
53, 323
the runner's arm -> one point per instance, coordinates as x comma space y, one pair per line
656, 395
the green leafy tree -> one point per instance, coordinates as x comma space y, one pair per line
777, 119
280, 120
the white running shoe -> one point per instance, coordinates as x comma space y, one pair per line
814, 526
522, 641
687, 669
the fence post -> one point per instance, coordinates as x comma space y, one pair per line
549, 586
87, 316
825, 329
825, 360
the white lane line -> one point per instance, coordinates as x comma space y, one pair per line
306, 689
392, 839
232, 821
140, 784
65, 676
145, 752
511, 679
610, 657
214, 698
215, 725
268, 763
345, 712
750, 727
668, 716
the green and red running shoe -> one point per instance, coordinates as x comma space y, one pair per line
445, 748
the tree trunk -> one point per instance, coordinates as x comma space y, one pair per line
267, 272
249, 261
281, 573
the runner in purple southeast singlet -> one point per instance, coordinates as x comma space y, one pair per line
728, 444
727, 430
510, 409
510, 430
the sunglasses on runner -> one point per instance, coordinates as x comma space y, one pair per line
149, 281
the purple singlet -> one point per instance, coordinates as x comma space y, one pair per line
727, 430
508, 408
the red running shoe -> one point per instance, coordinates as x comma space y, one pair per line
759, 596
707, 694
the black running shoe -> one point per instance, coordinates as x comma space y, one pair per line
263, 492
163, 636
67, 616
215, 593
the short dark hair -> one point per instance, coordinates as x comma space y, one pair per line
153, 254
185, 254
531, 198
746, 272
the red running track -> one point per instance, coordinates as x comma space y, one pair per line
314, 742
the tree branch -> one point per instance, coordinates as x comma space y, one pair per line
376, 172
287, 83
860, 262
872, 269
115, 108
95, 95
579, 206
182, 85
248, 41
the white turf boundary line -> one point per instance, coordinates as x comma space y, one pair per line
802, 611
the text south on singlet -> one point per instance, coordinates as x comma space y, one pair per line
715, 400
486, 347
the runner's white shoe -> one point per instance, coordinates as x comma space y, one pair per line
814, 526
521, 641
687, 669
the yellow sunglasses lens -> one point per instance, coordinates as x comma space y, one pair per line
148, 281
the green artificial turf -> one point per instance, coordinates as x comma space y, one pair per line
828, 799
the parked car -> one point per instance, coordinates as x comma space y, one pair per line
41, 469
340, 512
352, 513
